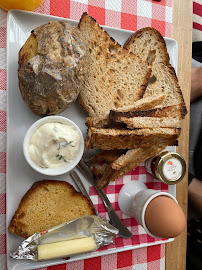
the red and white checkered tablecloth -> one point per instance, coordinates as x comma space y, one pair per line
197, 19
124, 14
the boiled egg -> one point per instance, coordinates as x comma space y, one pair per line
164, 217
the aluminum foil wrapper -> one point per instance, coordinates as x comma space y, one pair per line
86, 226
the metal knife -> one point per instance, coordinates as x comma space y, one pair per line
115, 220
81, 187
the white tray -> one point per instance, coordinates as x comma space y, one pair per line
20, 176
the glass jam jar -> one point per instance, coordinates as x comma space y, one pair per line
169, 167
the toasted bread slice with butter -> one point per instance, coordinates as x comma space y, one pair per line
46, 204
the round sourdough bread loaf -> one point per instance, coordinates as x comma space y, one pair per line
48, 74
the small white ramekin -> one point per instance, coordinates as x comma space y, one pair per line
51, 171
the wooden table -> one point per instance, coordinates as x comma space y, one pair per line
182, 32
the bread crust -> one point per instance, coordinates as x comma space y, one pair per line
183, 108
16, 225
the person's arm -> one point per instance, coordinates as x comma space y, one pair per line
196, 83
195, 195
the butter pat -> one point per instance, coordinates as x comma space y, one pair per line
66, 248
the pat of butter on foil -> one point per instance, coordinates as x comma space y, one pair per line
66, 248
81, 235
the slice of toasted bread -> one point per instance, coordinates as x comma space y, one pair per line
150, 45
141, 104
46, 204
166, 82
126, 163
100, 161
98, 170
144, 104
173, 111
150, 122
114, 77
107, 139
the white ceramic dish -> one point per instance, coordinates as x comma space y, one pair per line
52, 171
20, 176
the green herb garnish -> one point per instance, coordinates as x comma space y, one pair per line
64, 160
59, 156
63, 144
66, 143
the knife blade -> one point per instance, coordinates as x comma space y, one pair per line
115, 220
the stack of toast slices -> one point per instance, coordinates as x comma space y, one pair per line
132, 97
